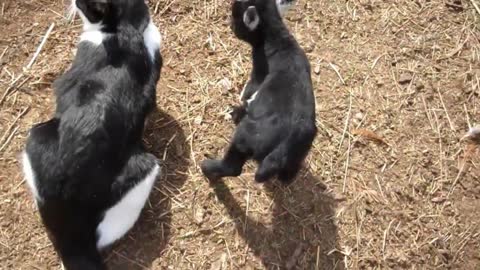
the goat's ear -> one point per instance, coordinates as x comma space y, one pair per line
284, 5
100, 6
251, 19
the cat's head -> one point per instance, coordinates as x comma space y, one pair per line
111, 13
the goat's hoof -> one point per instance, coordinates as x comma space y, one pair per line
261, 179
209, 168
286, 182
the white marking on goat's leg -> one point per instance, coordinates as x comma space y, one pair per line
242, 94
473, 133
252, 98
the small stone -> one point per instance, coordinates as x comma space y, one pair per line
405, 78
444, 252
199, 216
420, 86
198, 120
226, 84
438, 199
220, 263
359, 116
317, 70
292, 261
227, 116
379, 82
179, 151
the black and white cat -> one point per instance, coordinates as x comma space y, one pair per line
87, 166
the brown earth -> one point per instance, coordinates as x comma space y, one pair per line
388, 184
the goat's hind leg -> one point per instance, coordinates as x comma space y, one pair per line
230, 165
287, 174
270, 166
238, 113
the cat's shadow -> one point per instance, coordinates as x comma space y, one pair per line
143, 246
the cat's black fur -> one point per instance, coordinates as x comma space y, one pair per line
90, 153
277, 128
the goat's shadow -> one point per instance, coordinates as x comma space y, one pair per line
143, 246
302, 234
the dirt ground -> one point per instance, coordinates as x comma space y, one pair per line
388, 183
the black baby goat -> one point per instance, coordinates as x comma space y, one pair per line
276, 121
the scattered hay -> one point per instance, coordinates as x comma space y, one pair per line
356, 206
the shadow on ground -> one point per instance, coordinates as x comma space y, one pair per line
143, 246
302, 234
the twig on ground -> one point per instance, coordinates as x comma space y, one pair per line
384, 242
9, 139
7, 91
130, 260
13, 123
347, 121
39, 49
3, 54
347, 164
475, 6
376, 60
446, 112
335, 68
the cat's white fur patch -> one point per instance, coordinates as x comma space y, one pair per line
152, 39
94, 36
121, 217
30, 175
92, 32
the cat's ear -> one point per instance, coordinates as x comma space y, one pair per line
251, 19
